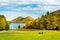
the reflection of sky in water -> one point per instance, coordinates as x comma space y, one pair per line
15, 25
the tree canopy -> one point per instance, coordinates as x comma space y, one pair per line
3, 23
50, 21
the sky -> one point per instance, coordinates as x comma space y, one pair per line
35, 8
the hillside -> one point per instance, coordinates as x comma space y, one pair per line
57, 12
50, 21
22, 19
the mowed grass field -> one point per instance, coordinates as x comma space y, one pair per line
30, 35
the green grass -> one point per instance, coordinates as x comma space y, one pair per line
30, 35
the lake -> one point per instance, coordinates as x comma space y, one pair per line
15, 25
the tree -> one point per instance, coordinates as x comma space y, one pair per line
18, 26
7, 27
3, 22
47, 13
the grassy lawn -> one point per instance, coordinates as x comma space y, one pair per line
30, 35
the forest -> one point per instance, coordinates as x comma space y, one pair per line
49, 21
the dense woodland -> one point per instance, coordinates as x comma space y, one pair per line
49, 21
3, 23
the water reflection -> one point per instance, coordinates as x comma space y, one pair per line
15, 25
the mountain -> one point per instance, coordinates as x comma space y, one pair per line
18, 19
22, 19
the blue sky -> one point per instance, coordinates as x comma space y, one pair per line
35, 8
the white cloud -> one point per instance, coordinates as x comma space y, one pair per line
11, 15
43, 6
55, 2
51, 8
51, 1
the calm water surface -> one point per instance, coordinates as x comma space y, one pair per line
15, 25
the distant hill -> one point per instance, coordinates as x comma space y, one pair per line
56, 12
52, 20
22, 19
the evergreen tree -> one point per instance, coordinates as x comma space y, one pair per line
18, 26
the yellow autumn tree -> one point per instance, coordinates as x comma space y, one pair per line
3, 23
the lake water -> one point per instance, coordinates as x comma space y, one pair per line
15, 25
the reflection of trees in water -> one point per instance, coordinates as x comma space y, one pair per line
17, 25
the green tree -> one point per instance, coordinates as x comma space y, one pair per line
7, 27
3, 22
18, 26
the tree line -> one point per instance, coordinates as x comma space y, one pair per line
49, 21
3, 23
